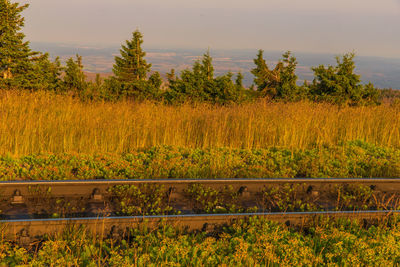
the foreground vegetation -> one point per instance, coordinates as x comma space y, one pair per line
352, 159
44, 122
252, 242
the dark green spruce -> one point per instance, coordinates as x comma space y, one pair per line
131, 72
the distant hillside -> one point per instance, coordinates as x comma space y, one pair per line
383, 72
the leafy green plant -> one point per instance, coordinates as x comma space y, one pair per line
144, 199
354, 159
208, 200
44, 204
285, 198
254, 241
354, 197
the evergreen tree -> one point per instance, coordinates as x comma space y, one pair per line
155, 80
266, 80
131, 70
74, 78
200, 85
131, 65
226, 90
171, 76
112, 89
239, 80
98, 82
339, 84
288, 88
207, 68
260, 72
280, 82
14, 51
94, 90
46, 74
371, 95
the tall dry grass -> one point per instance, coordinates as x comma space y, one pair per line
43, 122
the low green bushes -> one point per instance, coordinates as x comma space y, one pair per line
251, 242
352, 159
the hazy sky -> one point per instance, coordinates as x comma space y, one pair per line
369, 27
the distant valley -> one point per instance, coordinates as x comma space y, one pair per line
383, 72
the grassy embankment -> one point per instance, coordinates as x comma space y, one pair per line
352, 159
33, 123
46, 136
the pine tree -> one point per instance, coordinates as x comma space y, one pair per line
199, 84
339, 84
131, 70
288, 88
280, 82
239, 80
98, 82
46, 75
155, 80
207, 67
15, 53
131, 65
74, 78
171, 76
260, 72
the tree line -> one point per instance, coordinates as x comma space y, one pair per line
22, 68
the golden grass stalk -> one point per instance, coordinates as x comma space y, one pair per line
43, 122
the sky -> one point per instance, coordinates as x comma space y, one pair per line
367, 27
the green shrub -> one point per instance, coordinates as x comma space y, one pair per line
349, 160
248, 242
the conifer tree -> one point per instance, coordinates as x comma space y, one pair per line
199, 84
260, 72
131, 65
46, 75
239, 80
14, 51
74, 77
98, 82
288, 88
155, 80
339, 84
207, 67
171, 76
131, 71
280, 82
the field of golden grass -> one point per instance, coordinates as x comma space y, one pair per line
44, 122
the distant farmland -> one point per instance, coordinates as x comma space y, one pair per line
382, 72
